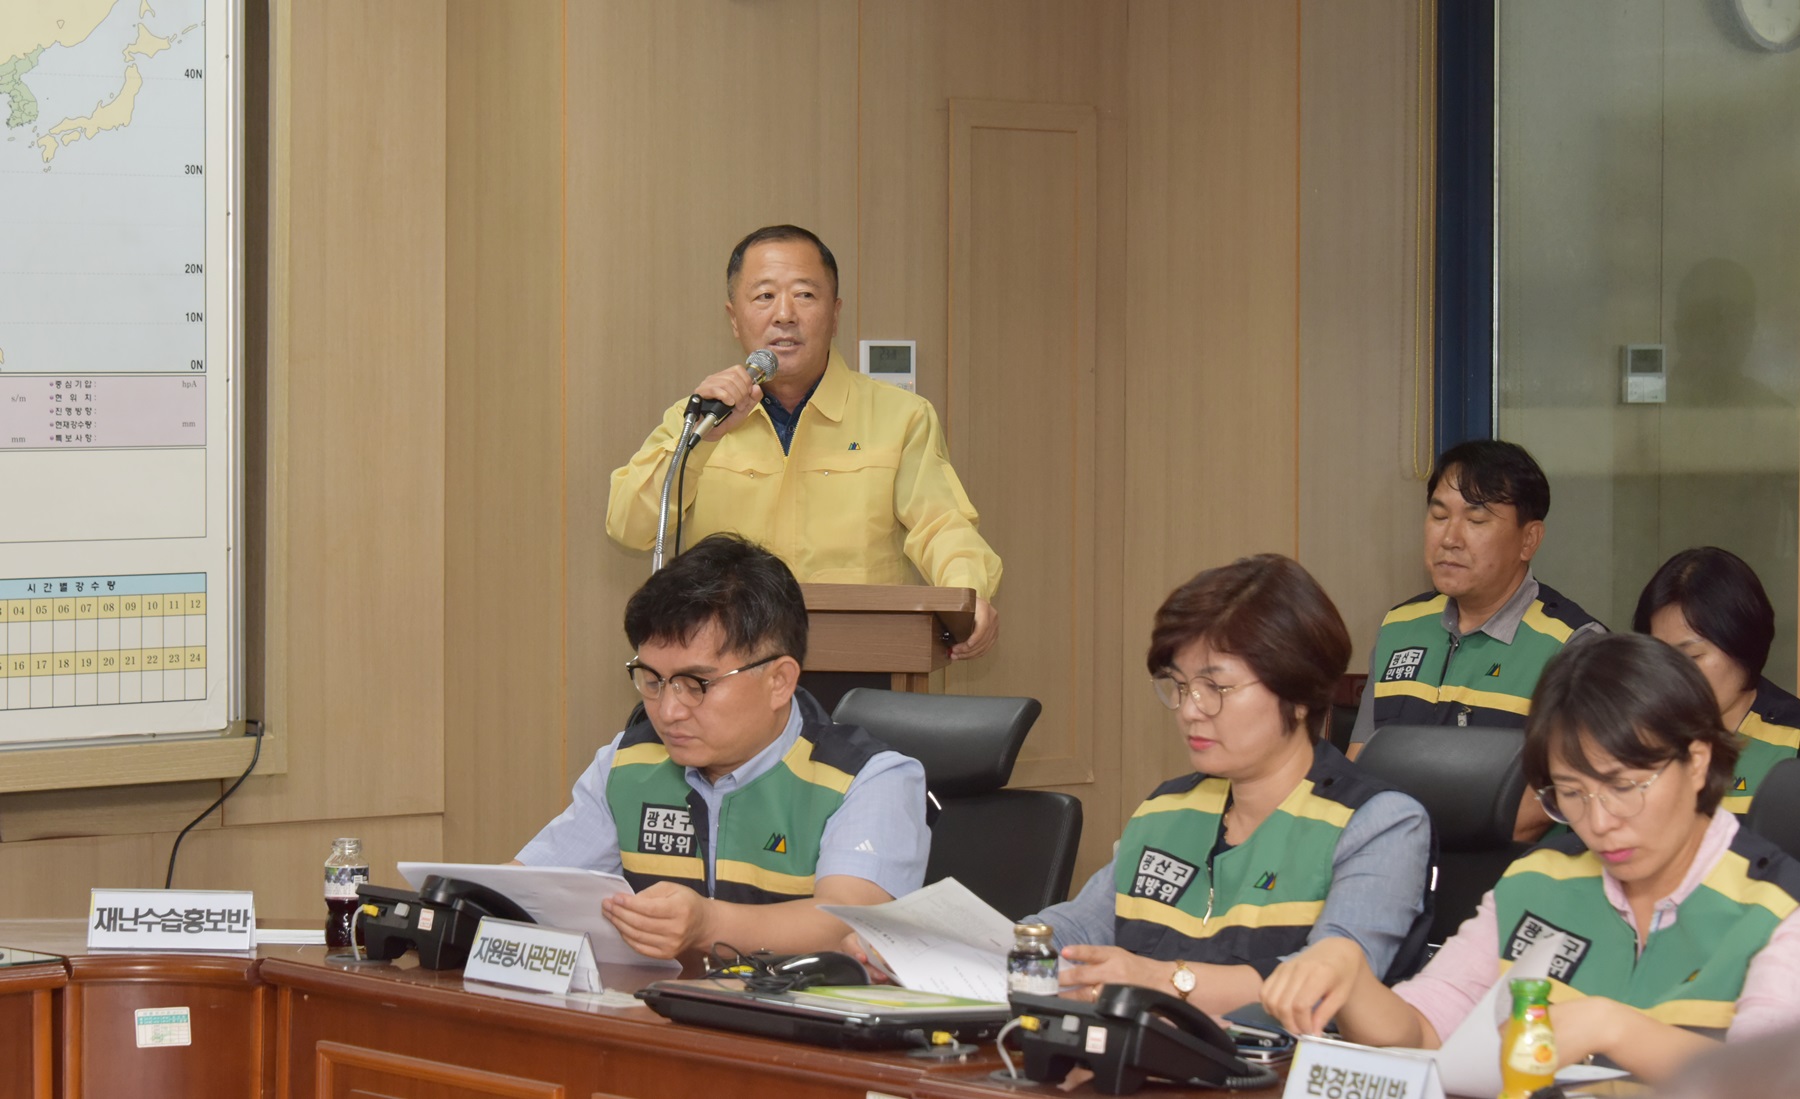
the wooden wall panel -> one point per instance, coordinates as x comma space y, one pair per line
1023, 212
363, 371
1365, 328
51, 878
689, 125
1211, 307
1059, 538
504, 493
284, 863
281, 863
107, 811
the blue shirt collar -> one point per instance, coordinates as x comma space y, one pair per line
785, 422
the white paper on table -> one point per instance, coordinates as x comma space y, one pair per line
560, 896
941, 938
290, 936
1469, 1059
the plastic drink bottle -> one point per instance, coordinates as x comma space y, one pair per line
345, 869
1527, 1044
1031, 964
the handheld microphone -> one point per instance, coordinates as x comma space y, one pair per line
762, 365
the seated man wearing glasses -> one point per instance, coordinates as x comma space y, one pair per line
732, 803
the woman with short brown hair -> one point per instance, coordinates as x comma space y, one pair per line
1275, 840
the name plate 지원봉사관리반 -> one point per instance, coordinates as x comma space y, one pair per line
532, 956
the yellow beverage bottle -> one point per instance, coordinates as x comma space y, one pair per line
1527, 1044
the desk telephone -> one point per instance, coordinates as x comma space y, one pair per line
1128, 1035
440, 920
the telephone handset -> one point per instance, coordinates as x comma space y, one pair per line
440, 920
1127, 1035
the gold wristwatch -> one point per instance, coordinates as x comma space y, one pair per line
1183, 979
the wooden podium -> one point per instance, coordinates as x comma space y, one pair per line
895, 630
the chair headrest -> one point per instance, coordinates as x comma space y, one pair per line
1775, 811
1469, 779
967, 743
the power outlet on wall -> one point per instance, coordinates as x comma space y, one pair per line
1643, 374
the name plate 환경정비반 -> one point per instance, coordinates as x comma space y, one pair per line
170, 919
531, 956
1328, 1069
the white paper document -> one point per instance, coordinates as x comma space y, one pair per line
559, 896
290, 936
941, 939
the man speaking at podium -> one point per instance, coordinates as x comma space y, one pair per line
731, 802
845, 478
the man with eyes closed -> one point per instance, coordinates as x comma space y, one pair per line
845, 478
1470, 651
733, 804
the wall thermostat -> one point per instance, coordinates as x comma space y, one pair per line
893, 361
1645, 379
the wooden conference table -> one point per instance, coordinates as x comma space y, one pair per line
288, 1022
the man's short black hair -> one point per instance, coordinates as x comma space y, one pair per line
1722, 600
1492, 471
770, 233
733, 582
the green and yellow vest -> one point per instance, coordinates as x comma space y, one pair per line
769, 829
1262, 896
1771, 733
1691, 972
1422, 675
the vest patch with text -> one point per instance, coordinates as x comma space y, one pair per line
1404, 664
1531, 928
1162, 877
667, 830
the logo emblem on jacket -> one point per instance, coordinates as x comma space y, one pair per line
1162, 877
1267, 881
666, 830
777, 843
1404, 665
1531, 929
1494, 672
1739, 785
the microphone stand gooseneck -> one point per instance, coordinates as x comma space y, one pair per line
677, 463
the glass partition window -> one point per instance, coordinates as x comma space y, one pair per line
1648, 164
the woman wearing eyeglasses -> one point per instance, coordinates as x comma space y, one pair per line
1709, 604
1680, 927
1275, 840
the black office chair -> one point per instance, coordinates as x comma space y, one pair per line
1015, 849
1470, 782
1345, 700
1775, 810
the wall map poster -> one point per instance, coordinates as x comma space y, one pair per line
117, 336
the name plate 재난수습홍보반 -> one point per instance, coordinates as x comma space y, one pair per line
1327, 1069
531, 956
172, 919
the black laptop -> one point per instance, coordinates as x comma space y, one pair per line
840, 1016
